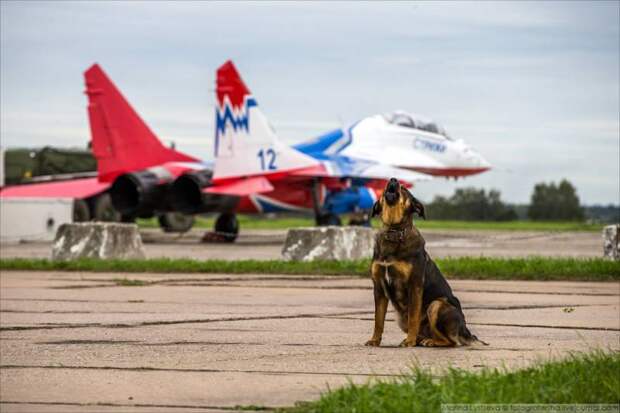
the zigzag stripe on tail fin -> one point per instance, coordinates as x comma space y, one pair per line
245, 143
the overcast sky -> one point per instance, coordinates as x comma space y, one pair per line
533, 86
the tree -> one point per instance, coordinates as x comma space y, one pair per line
555, 202
472, 204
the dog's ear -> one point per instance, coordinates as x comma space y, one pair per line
417, 207
376, 209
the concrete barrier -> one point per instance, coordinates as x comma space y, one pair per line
611, 242
328, 243
101, 240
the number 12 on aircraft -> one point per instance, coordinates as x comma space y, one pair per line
267, 159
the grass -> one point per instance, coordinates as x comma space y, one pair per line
533, 268
511, 225
245, 222
585, 378
258, 222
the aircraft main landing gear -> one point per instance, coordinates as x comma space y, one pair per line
361, 219
227, 226
175, 222
321, 217
326, 219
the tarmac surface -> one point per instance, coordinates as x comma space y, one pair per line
267, 244
190, 342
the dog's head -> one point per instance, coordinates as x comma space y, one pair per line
397, 204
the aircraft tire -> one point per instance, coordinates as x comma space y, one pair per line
175, 222
360, 220
104, 210
227, 225
81, 213
328, 219
128, 219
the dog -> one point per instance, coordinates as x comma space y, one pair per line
403, 273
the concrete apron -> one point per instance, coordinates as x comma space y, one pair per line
188, 342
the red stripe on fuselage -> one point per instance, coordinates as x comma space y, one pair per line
297, 194
454, 172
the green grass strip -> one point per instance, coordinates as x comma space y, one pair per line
590, 378
260, 222
534, 268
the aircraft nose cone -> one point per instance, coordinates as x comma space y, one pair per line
483, 163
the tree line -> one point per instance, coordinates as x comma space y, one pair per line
549, 202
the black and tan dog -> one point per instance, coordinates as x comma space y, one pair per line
403, 273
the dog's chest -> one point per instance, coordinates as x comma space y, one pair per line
396, 279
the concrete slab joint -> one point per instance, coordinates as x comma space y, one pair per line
328, 243
100, 240
611, 242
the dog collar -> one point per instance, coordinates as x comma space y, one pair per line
395, 235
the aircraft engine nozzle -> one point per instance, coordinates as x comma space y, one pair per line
186, 192
138, 194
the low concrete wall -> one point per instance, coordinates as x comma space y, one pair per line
611, 242
101, 240
328, 243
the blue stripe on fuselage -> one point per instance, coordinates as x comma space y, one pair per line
334, 141
320, 144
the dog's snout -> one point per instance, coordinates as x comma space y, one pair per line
392, 185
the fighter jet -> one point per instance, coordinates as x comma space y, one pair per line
355, 161
253, 171
402, 140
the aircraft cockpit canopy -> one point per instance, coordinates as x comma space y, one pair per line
410, 120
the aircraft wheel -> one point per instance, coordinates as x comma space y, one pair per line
128, 219
328, 219
360, 220
81, 213
176, 222
104, 210
227, 225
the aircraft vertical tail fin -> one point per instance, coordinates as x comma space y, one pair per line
121, 141
245, 143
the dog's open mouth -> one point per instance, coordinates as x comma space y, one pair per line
391, 192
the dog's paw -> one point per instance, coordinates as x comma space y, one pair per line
373, 343
407, 343
427, 342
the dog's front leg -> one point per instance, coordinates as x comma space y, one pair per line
381, 304
414, 313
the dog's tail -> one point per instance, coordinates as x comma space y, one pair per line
468, 337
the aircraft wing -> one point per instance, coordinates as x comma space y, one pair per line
75, 188
243, 187
339, 166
